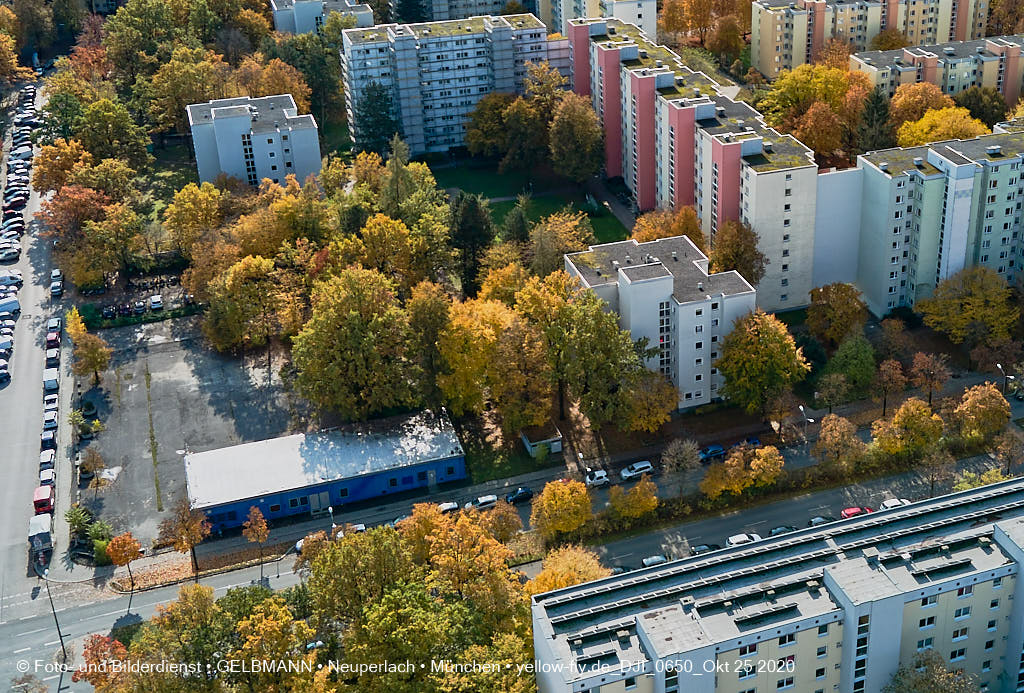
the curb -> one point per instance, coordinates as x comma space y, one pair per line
194, 578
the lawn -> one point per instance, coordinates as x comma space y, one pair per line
485, 180
336, 139
606, 227
489, 455
172, 170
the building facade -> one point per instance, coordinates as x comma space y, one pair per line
839, 607
252, 139
307, 473
661, 290
677, 141
787, 34
990, 62
437, 72
307, 16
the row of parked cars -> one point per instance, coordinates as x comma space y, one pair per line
43, 498
19, 168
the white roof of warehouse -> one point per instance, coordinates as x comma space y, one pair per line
251, 470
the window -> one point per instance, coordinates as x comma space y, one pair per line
819, 673
929, 601
421, 476
392, 482
960, 634
293, 502
962, 612
822, 651
699, 312
698, 329
925, 644
270, 155
989, 644
787, 639
822, 630
714, 306
748, 649
747, 672
991, 625
926, 623
958, 654
275, 508
986, 665
783, 684
997, 582
450, 471
270, 141
994, 604
630, 683
342, 493
965, 591
698, 345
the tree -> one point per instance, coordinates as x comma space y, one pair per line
244, 305
554, 236
99, 653
699, 16
122, 550
107, 131
256, 531
912, 101
726, 40
984, 103
648, 400
836, 310
112, 243
838, 445
272, 632
971, 306
1009, 449
820, 129
185, 528
92, 460
194, 212
735, 248
61, 116
835, 54
191, 75
759, 360
876, 131
911, 431
55, 163
544, 86
938, 466
635, 503
982, 412
895, 340
795, 91
91, 355
673, 18
561, 507
888, 380
667, 224
112, 177
502, 522
968, 480
526, 141
989, 354
36, 22
352, 355
485, 126
889, 40
942, 124
833, 389
681, 455
10, 70
428, 308
78, 518
855, 359
728, 476
928, 673
567, 566
576, 139
374, 117
410, 11
472, 231
929, 372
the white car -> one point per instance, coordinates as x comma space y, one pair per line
10, 254
740, 539
49, 420
156, 302
890, 503
21, 153
56, 275
636, 470
597, 478
51, 402
482, 503
448, 507
654, 560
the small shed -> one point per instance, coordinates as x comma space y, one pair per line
541, 441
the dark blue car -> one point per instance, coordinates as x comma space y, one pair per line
520, 495
711, 453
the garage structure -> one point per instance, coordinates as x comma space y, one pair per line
305, 473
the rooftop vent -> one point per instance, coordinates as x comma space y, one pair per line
980, 49
949, 50
918, 161
643, 54
884, 166
657, 63
615, 264
696, 91
674, 255
994, 150
680, 80
767, 147
611, 30
720, 111
700, 286
628, 259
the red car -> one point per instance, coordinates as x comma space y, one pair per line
854, 512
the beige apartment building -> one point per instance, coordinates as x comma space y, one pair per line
787, 34
955, 66
838, 607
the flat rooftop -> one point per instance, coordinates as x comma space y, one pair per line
991, 148
674, 257
720, 596
449, 27
267, 112
251, 470
948, 51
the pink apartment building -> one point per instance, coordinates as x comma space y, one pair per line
676, 140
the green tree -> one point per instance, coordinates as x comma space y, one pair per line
485, 126
244, 305
316, 58
855, 358
734, 247
374, 118
61, 116
428, 308
984, 103
968, 480
833, 389
36, 22
726, 41
411, 11
971, 306
836, 310
576, 139
516, 226
352, 355
526, 143
876, 131
554, 236
759, 360
191, 75
107, 131
472, 231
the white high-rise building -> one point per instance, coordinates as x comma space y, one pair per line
307, 16
252, 139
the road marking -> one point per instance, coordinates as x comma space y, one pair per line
25, 618
52, 642
51, 678
30, 632
624, 555
24, 649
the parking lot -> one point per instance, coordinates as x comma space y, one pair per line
166, 391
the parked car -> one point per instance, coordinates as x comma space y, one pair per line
819, 520
9, 254
636, 470
49, 420
657, 559
704, 548
156, 302
140, 307
10, 280
483, 502
48, 477
5, 375
57, 288
448, 507
52, 340
520, 495
596, 478
52, 357
51, 402
109, 312
782, 529
744, 538
711, 453
47, 459
48, 440
890, 503
854, 511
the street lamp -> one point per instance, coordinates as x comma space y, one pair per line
60, 635
807, 420
330, 509
1005, 376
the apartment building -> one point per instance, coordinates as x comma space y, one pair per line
676, 140
307, 16
252, 139
990, 62
786, 34
437, 71
839, 607
642, 13
661, 290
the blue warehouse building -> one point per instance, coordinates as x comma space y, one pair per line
306, 473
